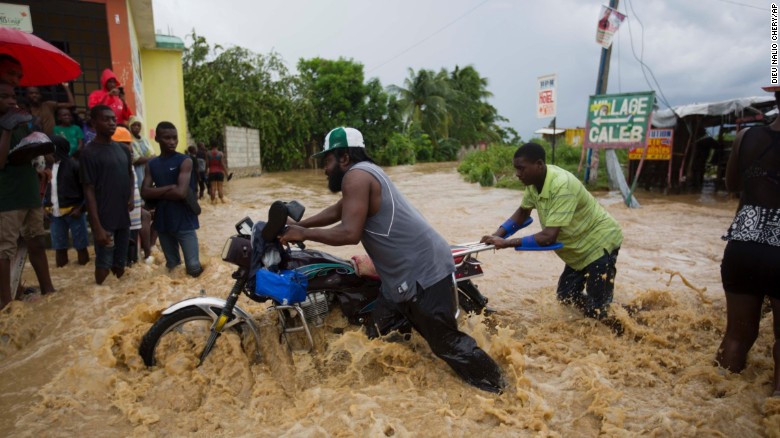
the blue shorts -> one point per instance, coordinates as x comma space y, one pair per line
77, 226
114, 256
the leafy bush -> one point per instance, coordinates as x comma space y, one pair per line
447, 150
488, 167
399, 150
423, 146
493, 166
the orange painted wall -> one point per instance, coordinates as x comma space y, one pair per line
119, 36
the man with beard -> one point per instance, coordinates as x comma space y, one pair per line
413, 260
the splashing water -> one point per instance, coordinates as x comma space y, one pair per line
69, 362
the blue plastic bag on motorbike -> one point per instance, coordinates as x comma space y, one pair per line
284, 287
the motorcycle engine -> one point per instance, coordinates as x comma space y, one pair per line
315, 308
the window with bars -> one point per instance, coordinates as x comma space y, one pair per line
79, 29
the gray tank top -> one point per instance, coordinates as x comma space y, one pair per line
405, 249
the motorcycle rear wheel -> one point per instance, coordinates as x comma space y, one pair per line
185, 330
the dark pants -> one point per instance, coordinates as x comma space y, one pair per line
114, 255
202, 183
597, 280
432, 313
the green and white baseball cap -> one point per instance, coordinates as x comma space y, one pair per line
341, 137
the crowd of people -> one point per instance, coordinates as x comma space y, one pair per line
102, 176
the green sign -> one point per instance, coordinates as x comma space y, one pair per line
617, 121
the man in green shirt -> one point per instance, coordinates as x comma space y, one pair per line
570, 215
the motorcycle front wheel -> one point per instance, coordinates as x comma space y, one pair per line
183, 332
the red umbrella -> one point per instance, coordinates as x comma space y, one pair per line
42, 63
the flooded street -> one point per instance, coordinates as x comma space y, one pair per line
69, 362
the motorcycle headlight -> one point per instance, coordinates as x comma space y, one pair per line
238, 251
226, 248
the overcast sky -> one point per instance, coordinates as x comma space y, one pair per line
699, 50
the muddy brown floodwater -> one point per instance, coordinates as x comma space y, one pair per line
69, 363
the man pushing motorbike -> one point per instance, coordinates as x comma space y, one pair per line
413, 261
572, 216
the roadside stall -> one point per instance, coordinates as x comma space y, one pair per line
690, 144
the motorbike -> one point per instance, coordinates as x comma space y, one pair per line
331, 281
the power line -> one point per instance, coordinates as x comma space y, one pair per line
428, 37
743, 4
639, 58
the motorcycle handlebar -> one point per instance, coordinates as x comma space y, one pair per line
300, 245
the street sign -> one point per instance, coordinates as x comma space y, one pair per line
618, 121
546, 96
659, 146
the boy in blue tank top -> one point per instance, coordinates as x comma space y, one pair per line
169, 183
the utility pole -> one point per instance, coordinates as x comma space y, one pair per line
614, 171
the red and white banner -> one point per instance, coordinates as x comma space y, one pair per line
609, 22
545, 97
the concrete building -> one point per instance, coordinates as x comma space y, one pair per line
116, 34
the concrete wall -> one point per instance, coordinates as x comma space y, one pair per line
163, 87
242, 149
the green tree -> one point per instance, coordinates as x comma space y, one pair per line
381, 116
341, 97
470, 114
451, 108
237, 87
336, 89
508, 135
424, 101
430, 118
474, 119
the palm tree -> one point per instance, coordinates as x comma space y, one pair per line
424, 101
473, 118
